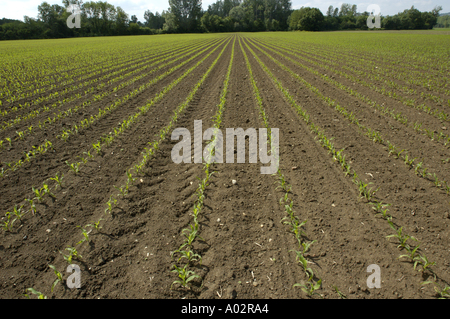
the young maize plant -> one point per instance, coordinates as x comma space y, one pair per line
364, 191
88, 154
400, 236
83, 160
112, 201
422, 260
35, 292
18, 213
185, 276
75, 167
32, 205
85, 235
73, 253
130, 180
8, 224
341, 295
190, 234
295, 226
37, 193
46, 190
95, 225
310, 287
122, 189
188, 254
97, 147
443, 293
21, 135
408, 161
59, 277
412, 253
57, 179
381, 209
306, 246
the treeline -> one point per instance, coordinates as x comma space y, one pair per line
411, 19
443, 21
347, 18
103, 19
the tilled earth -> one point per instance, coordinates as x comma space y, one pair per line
246, 250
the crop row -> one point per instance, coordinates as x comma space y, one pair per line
64, 63
314, 283
414, 255
372, 134
137, 68
373, 69
107, 139
138, 167
68, 79
86, 123
99, 97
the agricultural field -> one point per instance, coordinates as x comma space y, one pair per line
88, 177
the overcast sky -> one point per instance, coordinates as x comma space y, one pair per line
16, 9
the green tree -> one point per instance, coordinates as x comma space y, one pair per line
187, 14
307, 19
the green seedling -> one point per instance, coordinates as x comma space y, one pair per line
397, 154
381, 209
364, 191
57, 179
185, 275
190, 234
412, 255
21, 134
122, 190
84, 160
18, 213
96, 225
310, 288
307, 245
97, 147
46, 190
37, 193
408, 161
189, 255
85, 235
296, 227
32, 205
285, 199
437, 183
73, 253
88, 154
110, 204
75, 167
59, 277
35, 292
422, 260
401, 238
9, 141
443, 293
339, 293
8, 224
302, 260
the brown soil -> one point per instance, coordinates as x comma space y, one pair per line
246, 250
